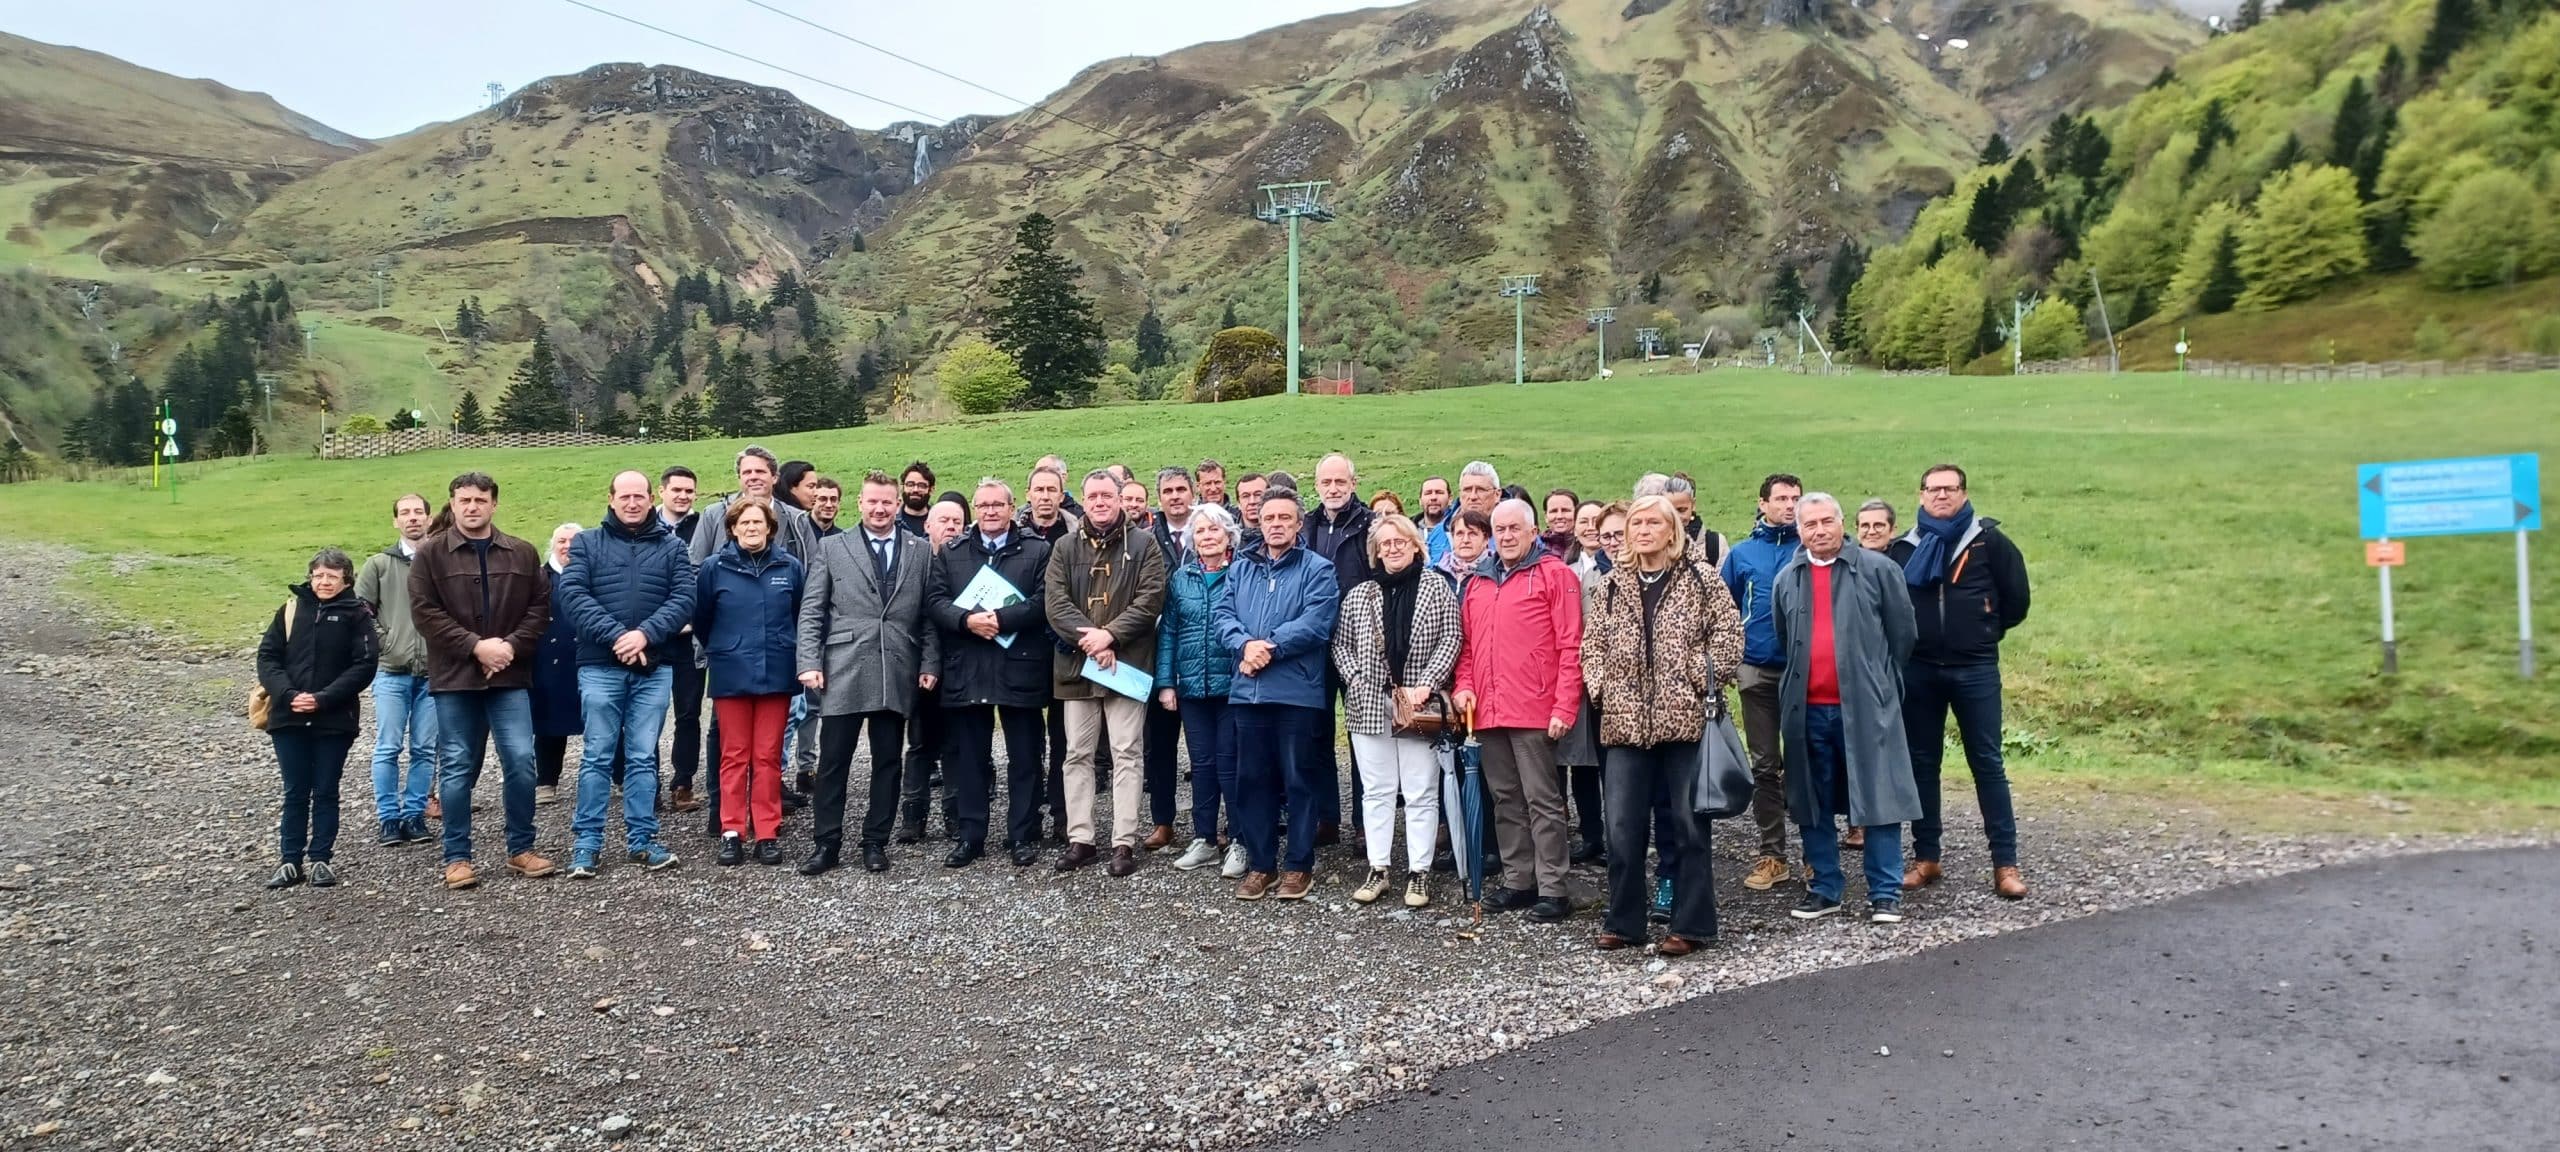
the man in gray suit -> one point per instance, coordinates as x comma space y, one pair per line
865, 647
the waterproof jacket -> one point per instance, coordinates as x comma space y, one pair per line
447, 592
1343, 541
1522, 657
556, 707
1290, 602
383, 585
871, 640
1871, 634
977, 671
331, 655
1963, 617
1115, 582
1189, 658
1750, 571
621, 578
746, 613
1360, 651
1657, 681
797, 533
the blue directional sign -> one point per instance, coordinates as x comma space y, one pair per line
2450, 497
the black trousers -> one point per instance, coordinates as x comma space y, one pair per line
687, 754
551, 753
836, 739
924, 755
1164, 762
1583, 782
1638, 780
968, 765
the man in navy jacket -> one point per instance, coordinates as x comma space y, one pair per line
1276, 620
629, 590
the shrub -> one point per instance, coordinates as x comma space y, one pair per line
2053, 331
978, 377
1239, 364
2308, 231
362, 424
2485, 234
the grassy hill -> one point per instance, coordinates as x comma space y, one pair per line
2199, 624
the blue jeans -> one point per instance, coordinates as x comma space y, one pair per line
1275, 758
1972, 692
624, 712
404, 712
1827, 765
1209, 728
466, 724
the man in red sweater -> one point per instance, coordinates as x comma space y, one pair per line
1845, 624
1520, 675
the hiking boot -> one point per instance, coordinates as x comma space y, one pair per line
1237, 864
653, 857
1123, 862
1767, 873
1660, 911
1550, 909
286, 875
321, 875
1921, 874
435, 807
1201, 854
531, 865
1855, 841
2008, 883
582, 863
1256, 885
1295, 886
1371, 888
1814, 906
683, 800
1417, 890
459, 875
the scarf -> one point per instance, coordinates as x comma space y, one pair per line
1936, 545
1402, 591
1563, 543
1601, 563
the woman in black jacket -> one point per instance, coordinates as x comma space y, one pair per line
315, 662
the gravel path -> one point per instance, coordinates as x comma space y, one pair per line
165, 1001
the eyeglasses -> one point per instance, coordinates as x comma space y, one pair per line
993, 505
1942, 490
1606, 537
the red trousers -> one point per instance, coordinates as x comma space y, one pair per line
751, 763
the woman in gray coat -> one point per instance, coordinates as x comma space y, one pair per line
865, 647
1844, 621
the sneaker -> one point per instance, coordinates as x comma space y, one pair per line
1256, 885
768, 851
415, 828
733, 850
1550, 909
546, 794
653, 857
322, 875
285, 876
394, 834
531, 865
1417, 890
1767, 873
1814, 906
1294, 886
1371, 888
1237, 864
1660, 912
1884, 912
1201, 854
1501, 899
582, 863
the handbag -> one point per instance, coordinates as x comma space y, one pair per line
261, 706
1432, 721
1723, 787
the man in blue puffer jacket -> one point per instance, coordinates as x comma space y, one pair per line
1276, 622
1751, 573
630, 590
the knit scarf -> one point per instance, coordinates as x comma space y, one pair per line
1937, 544
1402, 591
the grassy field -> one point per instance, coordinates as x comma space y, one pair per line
2202, 613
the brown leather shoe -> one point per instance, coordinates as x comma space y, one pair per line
1767, 873
1123, 861
2007, 883
684, 801
1295, 885
1856, 840
459, 875
1677, 946
1611, 942
531, 865
1159, 839
1256, 885
435, 807
1921, 874
1076, 856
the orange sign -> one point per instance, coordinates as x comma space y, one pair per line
2385, 553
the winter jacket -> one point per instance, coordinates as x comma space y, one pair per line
1523, 652
1290, 602
1114, 582
746, 612
1360, 651
1750, 571
621, 578
798, 533
977, 671
331, 654
1659, 684
1343, 541
1189, 658
1871, 634
446, 596
556, 708
1435, 538
871, 641
383, 584
1963, 617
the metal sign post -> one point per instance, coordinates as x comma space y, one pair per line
2458, 497
2386, 555
2524, 610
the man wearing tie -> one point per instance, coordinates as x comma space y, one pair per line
865, 647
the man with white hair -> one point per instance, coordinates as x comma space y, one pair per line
1336, 531
1845, 624
1520, 675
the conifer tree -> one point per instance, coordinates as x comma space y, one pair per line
737, 402
2347, 132
684, 417
1045, 323
1227, 319
1994, 151
1154, 347
467, 417
2223, 285
533, 401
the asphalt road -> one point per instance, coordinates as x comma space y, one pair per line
2412, 1003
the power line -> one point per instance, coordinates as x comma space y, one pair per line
1034, 105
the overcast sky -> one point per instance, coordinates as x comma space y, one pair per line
382, 67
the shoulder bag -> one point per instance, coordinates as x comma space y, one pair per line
260, 704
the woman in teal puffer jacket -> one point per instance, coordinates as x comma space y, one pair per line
1193, 673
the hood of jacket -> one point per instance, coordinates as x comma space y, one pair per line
1750, 571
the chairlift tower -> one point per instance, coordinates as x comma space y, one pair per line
1600, 317
1648, 339
1519, 289
1287, 204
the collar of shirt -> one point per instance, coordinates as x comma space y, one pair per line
890, 539
408, 551
993, 543
1820, 562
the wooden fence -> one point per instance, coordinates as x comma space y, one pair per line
2382, 370
2080, 365
338, 446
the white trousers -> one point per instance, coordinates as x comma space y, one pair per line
1397, 764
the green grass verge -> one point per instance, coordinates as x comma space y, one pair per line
2203, 616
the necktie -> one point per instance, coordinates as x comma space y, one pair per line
880, 558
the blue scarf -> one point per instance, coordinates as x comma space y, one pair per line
1937, 543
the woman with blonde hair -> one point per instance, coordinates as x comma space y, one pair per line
1396, 644
1660, 643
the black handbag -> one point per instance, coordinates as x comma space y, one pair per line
1723, 788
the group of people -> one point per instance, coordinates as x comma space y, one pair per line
1105, 626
